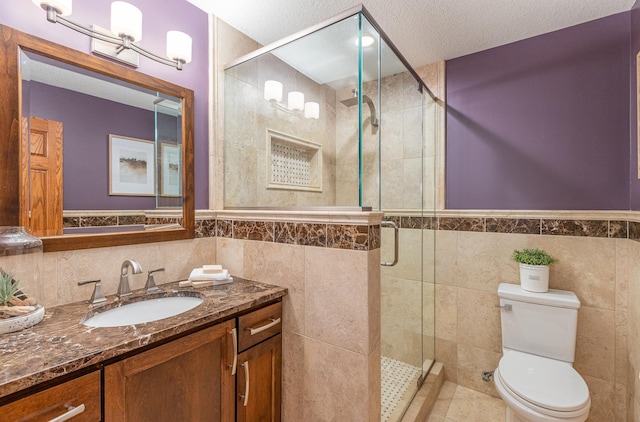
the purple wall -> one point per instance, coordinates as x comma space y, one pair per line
177, 14
634, 183
87, 122
542, 123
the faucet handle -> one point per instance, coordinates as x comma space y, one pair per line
97, 296
151, 283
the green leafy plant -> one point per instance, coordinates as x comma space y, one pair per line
533, 257
8, 287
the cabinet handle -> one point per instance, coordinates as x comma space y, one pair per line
245, 396
72, 412
273, 322
234, 366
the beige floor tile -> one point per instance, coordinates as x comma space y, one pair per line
469, 405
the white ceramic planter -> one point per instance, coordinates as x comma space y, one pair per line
21, 322
534, 278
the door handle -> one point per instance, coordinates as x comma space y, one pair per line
396, 242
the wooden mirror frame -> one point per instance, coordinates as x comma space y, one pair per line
13, 41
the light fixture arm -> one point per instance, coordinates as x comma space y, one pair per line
123, 42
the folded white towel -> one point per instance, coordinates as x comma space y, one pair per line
198, 275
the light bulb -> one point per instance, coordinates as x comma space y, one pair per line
312, 110
179, 46
126, 20
295, 100
273, 91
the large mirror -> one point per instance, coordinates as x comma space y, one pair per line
96, 154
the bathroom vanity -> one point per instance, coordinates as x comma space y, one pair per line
218, 361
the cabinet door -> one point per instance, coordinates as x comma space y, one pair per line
80, 397
188, 379
259, 382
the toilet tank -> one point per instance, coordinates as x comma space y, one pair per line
544, 324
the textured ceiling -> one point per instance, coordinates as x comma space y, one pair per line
425, 31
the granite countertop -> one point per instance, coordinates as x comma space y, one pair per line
60, 344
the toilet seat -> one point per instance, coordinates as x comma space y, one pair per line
542, 386
548, 383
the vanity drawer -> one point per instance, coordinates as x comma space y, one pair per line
56, 401
259, 325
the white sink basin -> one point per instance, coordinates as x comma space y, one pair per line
143, 311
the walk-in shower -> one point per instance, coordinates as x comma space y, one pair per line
320, 120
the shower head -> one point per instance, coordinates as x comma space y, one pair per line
350, 102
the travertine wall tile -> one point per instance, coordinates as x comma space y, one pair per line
336, 302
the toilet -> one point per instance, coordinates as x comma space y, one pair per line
535, 376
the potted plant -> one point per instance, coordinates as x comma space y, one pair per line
534, 269
17, 311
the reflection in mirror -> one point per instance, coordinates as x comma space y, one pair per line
104, 155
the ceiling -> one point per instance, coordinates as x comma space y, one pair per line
425, 31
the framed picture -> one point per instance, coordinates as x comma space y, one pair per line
170, 174
131, 166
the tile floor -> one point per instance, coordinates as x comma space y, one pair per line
460, 404
397, 377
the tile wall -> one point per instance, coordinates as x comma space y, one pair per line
598, 261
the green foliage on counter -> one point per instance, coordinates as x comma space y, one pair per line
8, 287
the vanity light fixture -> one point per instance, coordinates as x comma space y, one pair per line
126, 29
295, 101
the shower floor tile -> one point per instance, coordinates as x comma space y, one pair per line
398, 382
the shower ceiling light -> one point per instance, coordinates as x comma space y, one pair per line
367, 40
126, 28
295, 101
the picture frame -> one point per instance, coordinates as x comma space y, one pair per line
131, 166
170, 174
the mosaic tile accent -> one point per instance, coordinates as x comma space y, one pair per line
312, 234
253, 230
71, 221
411, 222
224, 228
348, 237
375, 237
513, 225
591, 228
127, 220
634, 230
618, 229
98, 221
163, 220
286, 233
464, 224
205, 228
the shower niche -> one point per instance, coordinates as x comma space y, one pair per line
293, 163
334, 116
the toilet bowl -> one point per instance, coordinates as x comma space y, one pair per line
539, 389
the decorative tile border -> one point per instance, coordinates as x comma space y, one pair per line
340, 236
368, 237
615, 228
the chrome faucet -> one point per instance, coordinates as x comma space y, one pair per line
123, 288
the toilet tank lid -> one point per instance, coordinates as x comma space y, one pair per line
559, 298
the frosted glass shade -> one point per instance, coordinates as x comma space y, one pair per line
126, 19
62, 6
179, 46
295, 100
273, 91
312, 110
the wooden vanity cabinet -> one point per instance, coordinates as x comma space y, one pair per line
188, 379
78, 399
259, 382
